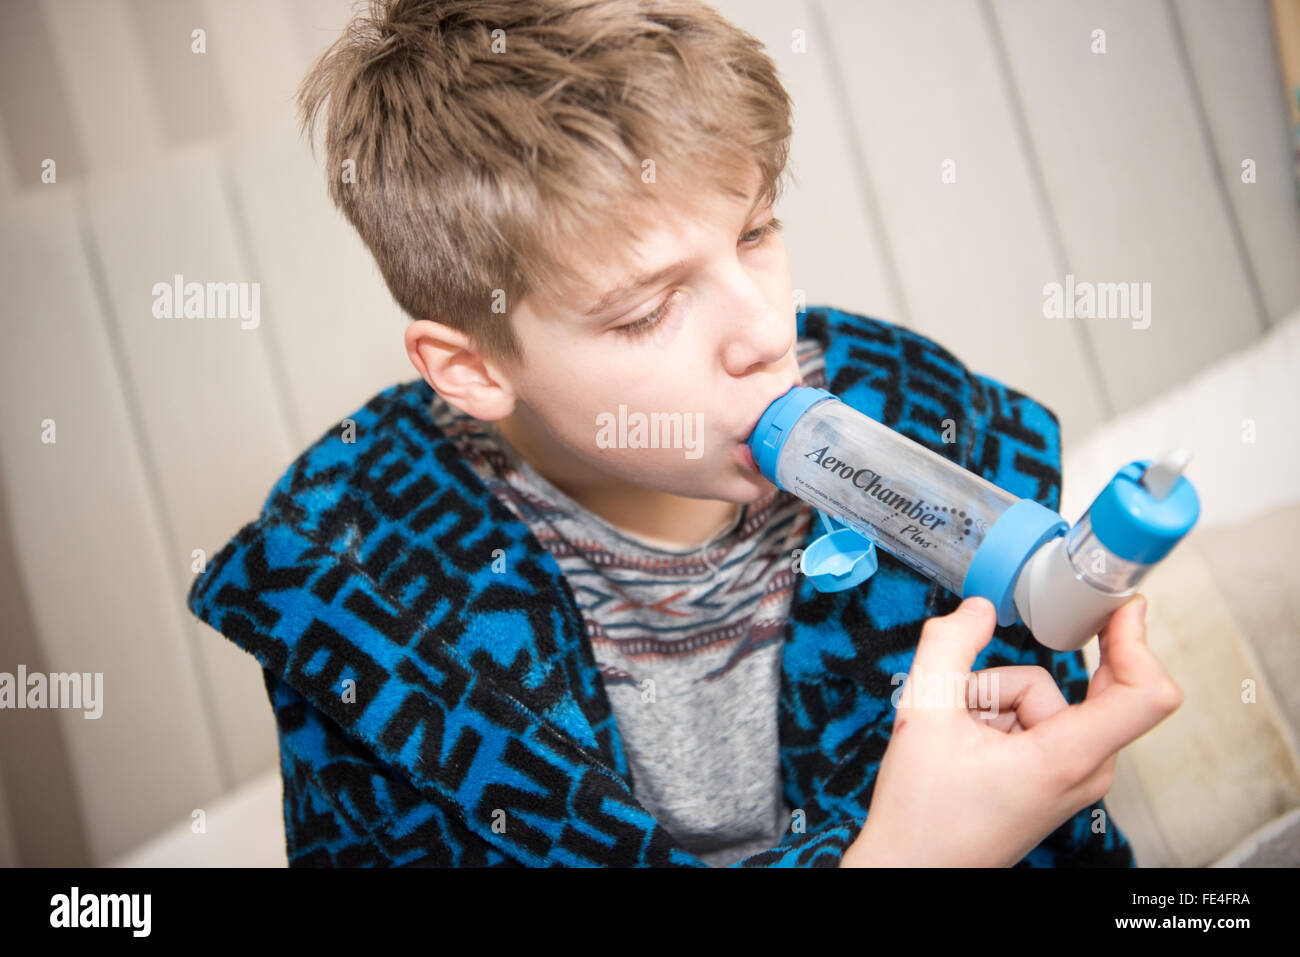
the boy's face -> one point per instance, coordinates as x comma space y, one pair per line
718, 347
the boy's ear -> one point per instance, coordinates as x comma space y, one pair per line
447, 360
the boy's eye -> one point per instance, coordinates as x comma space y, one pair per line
772, 226
642, 326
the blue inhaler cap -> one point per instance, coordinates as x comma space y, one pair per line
839, 559
1145, 510
775, 423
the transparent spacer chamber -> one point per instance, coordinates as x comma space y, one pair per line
1098, 565
926, 511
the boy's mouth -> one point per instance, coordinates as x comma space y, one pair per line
746, 456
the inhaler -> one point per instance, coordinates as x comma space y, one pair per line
872, 486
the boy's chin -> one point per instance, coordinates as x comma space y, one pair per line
729, 481
744, 486
756, 486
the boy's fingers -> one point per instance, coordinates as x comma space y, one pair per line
1026, 691
1139, 696
1004, 721
948, 648
1135, 607
1124, 650
1094, 786
1103, 677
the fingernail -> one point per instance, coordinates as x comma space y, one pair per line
972, 606
1142, 608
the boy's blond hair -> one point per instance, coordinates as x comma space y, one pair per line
498, 144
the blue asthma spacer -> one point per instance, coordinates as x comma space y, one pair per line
1008, 544
1134, 524
775, 424
841, 557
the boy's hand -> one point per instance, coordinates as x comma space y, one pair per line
957, 789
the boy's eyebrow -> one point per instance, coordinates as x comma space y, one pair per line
625, 290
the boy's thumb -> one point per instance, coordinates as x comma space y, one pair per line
977, 607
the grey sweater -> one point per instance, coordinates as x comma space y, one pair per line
688, 641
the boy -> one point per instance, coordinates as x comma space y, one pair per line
506, 625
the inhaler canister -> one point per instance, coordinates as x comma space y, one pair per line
1071, 585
